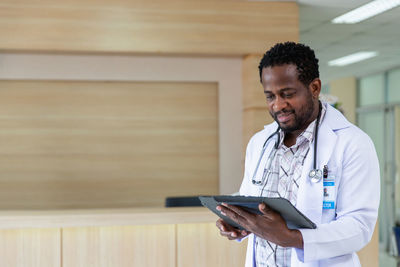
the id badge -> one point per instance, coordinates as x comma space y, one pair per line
329, 191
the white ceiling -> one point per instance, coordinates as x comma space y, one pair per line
330, 41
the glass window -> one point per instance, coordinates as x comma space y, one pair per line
371, 90
394, 86
373, 124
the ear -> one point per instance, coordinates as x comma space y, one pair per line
315, 87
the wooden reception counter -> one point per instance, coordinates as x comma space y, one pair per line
164, 237
115, 237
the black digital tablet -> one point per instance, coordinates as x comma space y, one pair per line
293, 217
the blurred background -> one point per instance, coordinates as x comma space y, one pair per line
376, 81
109, 107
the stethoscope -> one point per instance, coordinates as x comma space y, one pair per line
315, 175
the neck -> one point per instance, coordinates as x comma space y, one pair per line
290, 137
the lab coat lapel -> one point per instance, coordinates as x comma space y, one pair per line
310, 195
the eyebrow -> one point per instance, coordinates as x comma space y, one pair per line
282, 90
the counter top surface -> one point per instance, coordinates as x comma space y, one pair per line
103, 217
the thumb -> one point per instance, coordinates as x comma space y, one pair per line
264, 208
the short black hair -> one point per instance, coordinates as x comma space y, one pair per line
300, 55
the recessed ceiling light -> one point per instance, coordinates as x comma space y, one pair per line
366, 11
352, 58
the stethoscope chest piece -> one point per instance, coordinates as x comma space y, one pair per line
315, 175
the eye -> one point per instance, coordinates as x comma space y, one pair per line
269, 97
288, 95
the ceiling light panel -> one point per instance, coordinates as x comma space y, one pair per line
366, 11
353, 58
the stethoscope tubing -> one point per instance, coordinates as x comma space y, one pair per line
277, 132
262, 155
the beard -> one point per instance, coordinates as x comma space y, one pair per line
301, 117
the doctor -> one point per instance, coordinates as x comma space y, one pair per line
312, 156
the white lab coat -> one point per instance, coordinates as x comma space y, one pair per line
351, 157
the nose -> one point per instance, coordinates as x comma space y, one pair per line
279, 104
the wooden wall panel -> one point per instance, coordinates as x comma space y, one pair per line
122, 246
255, 110
96, 144
201, 245
30, 248
253, 92
253, 121
213, 27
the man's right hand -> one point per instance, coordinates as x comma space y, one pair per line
229, 231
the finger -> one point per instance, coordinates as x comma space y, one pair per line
221, 209
264, 209
235, 234
223, 226
239, 234
244, 233
237, 218
241, 212
227, 210
231, 233
220, 225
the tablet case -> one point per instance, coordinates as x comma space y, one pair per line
293, 217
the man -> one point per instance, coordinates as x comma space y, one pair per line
341, 196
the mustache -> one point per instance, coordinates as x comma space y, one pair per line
285, 112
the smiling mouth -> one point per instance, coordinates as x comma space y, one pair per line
284, 117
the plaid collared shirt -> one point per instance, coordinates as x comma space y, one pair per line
283, 181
